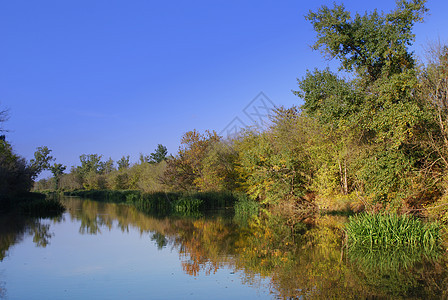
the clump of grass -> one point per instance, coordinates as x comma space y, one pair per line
188, 204
390, 240
391, 231
245, 208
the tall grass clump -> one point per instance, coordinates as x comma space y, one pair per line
245, 208
386, 231
391, 240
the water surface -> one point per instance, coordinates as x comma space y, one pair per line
111, 251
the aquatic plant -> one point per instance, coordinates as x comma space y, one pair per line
391, 241
391, 231
245, 208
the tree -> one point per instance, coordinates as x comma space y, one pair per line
16, 176
276, 165
57, 170
144, 158
123, 163
370, 121
107, 167
372, 44
4, 116
41, 160
159, 154
185, 168
89, 174
90, 163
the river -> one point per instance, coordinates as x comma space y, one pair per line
99, 250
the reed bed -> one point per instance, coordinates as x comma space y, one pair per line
389, 242
391, 231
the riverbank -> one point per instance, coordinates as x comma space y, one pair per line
164, 203
32, 204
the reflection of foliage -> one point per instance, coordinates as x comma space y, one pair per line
14, 227
301, 261
160, 240
268, 246
187, 204
41, 235
390, 259
42, 207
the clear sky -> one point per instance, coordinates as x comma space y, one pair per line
119, 77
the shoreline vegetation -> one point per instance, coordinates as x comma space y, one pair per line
369, 140
164, 203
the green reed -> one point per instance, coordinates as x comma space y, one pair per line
390, 241
391, 231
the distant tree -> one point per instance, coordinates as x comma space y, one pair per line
144, 158
159, 154
4, 116
107, 167
90, 163
57, 170
123, 163
184, 170
89, 173
41, 160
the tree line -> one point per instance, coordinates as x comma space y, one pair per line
371, 135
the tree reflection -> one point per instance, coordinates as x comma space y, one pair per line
300, 261
160, 240
15, 227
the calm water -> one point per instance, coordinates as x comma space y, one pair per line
109, 251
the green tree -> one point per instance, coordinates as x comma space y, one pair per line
89, 173
370, 121
374, 44
4, 116
16, 176
159, 154
42, 160
57, 170
107, 167
144, 158
90, 163
123, 163
275, 166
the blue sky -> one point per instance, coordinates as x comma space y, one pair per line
119, 77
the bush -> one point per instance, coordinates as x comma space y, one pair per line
37, 205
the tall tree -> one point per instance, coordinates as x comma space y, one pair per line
159, 154
372, 44
42, 160
123, 163
57, 170
185, 168
376, 113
